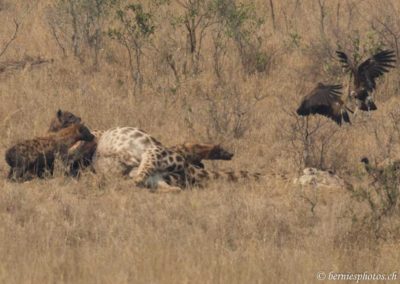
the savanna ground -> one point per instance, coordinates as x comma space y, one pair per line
198, 70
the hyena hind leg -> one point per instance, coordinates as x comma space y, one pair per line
19, 174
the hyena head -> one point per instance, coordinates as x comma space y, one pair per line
208, 151
74, 132
217, 152
63, 119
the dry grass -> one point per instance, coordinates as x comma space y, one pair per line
96, 231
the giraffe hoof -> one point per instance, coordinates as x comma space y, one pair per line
138, 182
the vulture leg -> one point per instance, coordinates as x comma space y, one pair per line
355, 113
349, 84
349, 110
368, 101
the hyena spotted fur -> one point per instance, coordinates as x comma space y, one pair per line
62, 120
34, 157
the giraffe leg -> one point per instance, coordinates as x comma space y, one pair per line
154, 166
146, 168
163, 187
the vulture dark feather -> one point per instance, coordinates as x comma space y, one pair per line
325, 100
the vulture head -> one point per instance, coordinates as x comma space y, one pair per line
325, 100
364, 160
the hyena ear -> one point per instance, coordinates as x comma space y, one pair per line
59, 113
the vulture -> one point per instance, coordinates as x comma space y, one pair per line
383, 174
325, 100
365, 75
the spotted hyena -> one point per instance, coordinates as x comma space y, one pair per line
81, 153
195, 153
36, 156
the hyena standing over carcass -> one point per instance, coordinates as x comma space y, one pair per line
34, 157
80, 154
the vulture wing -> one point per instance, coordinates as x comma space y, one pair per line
346, 62
325, 100
374, 67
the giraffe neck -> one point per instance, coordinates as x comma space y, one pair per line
198, 175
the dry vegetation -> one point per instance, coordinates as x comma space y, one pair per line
211, 71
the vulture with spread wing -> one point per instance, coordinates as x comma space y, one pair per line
365, 75
325, 100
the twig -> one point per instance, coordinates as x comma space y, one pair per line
20, 64
11, 39
271, 4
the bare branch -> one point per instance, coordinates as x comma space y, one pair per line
11, 39
391, 32
10, 65
271, 4
57, 38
